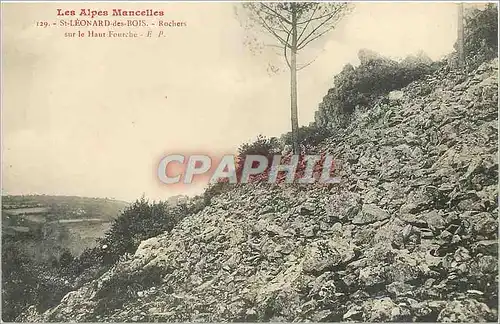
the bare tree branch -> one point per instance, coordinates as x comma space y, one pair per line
314, 38
318, 19
274, 46
306, 39
308, 21
275, 28
276, 13
307, 64
274, 19
272, 31
313, 19
288, 30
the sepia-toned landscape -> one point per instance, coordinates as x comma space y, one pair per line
402, 96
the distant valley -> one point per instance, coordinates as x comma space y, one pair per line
46, 225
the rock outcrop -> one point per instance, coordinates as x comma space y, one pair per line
410, 234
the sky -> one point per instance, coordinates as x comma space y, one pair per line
93, 117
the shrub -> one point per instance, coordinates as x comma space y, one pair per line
299, 171
481, 35
142, 220
26, 281
125, 286
263, 146
361, 86
309, 136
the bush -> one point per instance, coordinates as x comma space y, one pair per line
122, 287
309, 136
26, 281
361, 86
263, 146
481, 35
142, 220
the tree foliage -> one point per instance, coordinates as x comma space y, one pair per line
293, 26
312, 20
140, 221
481, 35
27, 281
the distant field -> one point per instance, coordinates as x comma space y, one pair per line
63, 207
87, 220
26, 211
22, 229
59, 221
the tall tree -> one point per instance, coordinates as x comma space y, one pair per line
293, 26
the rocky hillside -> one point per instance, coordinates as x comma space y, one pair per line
410, 234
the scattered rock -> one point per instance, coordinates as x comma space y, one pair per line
261, 253
370, 213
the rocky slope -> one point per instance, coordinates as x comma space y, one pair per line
410, 234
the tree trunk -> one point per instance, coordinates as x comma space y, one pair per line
293, 86
460, 40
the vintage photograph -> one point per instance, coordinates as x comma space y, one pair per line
248, 161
